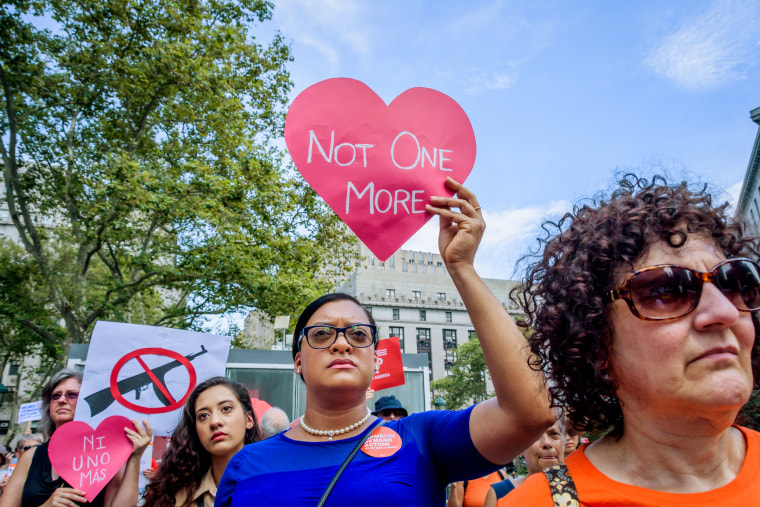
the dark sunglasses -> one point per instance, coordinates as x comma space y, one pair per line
668, 291
27, 447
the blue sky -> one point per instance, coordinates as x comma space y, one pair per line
562, 95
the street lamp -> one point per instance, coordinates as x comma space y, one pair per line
440, 403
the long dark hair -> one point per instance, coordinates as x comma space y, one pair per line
187, 461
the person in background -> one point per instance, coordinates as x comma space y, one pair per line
274, 421
472, 493
217, 421
411, 459
572, 437
27, 442
389, 408
5, 461
545, 452
641, 308
35, 483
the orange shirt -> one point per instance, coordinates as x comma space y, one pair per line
596, 489
476, 491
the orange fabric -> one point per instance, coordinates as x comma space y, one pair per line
596, 489
476, 491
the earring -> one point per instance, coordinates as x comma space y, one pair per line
377, 367
298, 371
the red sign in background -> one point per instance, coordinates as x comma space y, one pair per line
136, 354
391, 368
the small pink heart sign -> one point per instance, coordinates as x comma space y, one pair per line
87, 459
377, 165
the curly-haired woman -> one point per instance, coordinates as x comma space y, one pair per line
642, 306
217, 422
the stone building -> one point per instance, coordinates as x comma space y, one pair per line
411, 296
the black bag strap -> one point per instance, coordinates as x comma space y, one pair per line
562, 486
348, 459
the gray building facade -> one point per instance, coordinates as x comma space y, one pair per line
411, 296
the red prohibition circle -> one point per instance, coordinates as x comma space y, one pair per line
158, 352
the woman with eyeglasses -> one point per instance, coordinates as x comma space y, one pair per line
409, 461
642, 305
35, 483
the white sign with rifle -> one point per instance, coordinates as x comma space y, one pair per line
146, 372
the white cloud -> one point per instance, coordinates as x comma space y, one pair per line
309, 21
711, 48
734, 192
509, 234
492, 81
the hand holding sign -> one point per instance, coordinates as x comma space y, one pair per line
87, 459
377, 165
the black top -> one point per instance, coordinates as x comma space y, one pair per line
40, 485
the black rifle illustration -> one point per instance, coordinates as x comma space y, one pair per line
101, 400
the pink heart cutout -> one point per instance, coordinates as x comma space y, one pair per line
377, 166
87, 459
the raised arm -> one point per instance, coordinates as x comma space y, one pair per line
503, 426
122, 490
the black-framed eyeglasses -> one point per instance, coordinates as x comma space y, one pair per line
667, 291
68, 395
323, 336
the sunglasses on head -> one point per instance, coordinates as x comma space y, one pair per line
669, 291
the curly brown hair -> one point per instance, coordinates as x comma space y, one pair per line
583, 253
187, 461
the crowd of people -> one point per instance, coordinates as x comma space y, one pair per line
641, 307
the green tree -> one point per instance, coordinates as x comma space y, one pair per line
467, 382
142, 173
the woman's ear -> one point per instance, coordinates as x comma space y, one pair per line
297, 363
248, 421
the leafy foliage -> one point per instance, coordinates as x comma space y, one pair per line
467, 382
142, 172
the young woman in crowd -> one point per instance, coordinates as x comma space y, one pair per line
642, 306
35, 483
547, 451
572, 437
217, 422
410, 460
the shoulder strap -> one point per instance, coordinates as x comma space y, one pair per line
562, 486
348, 459
501, 474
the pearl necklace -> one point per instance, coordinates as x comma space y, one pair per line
331, 433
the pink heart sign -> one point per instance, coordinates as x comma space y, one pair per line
87, 459
377, 166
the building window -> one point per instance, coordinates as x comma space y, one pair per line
450, 349
448, 317
403, 265
13, 369
441, 296
369, 309
472, 335
423, 315
423, 347
396, 314
398, 332
390, 293
416, 294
